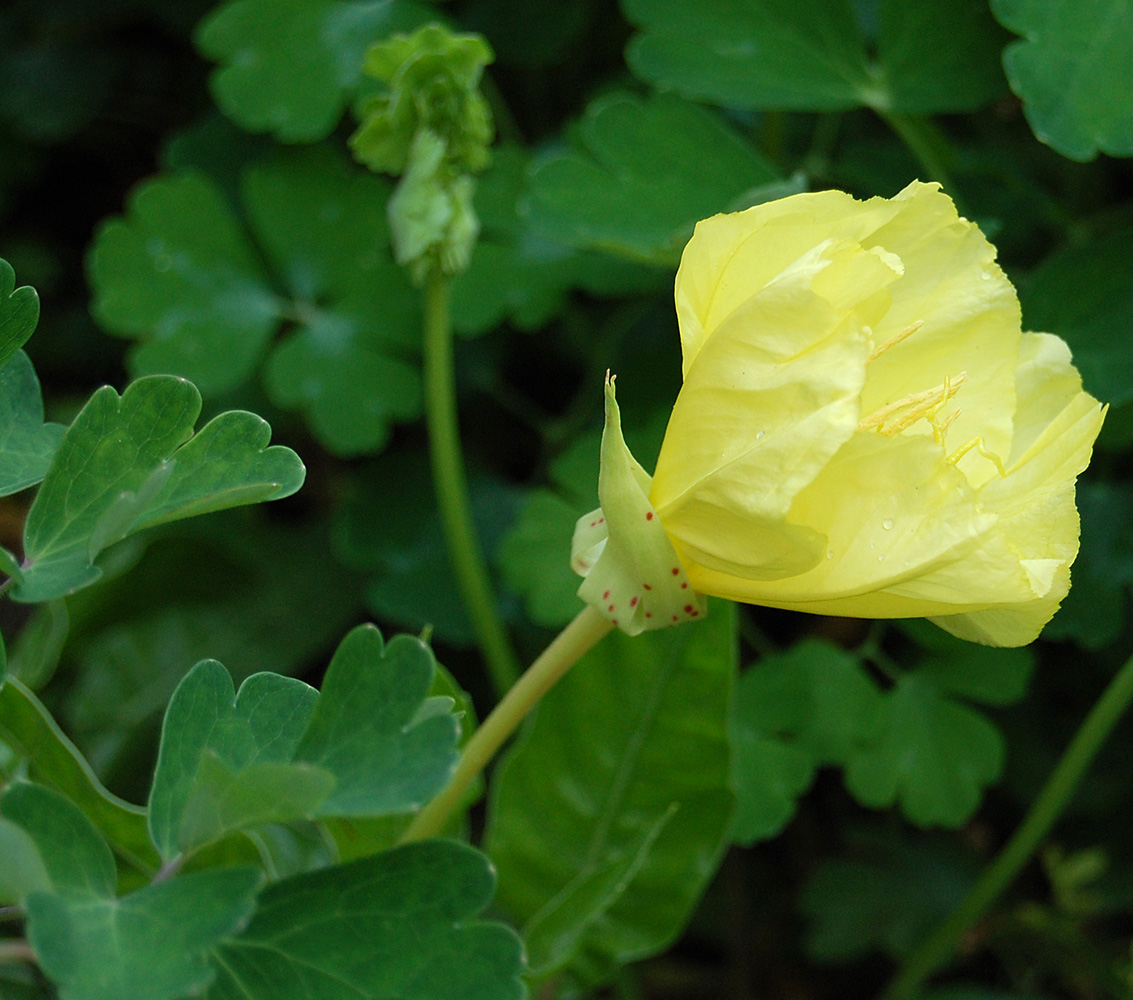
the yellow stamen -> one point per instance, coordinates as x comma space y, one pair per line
978, 443
907, 411
896, 339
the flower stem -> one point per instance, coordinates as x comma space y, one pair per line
936, 950
16, 951
568, 647
451, 485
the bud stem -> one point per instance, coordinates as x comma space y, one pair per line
451, 486
568, 647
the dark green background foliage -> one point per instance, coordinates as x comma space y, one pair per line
763, 805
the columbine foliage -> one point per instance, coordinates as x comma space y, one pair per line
207, 760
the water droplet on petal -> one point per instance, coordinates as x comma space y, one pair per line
759, 435
887, 524
829, 555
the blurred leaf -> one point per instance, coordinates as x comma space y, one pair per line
534, 555
21, 867
790, 713
1093, 613
75, 858
40, 644
251, 593
641, 180
289, 67
27, 444
930, 755
889, 894
225, 761
1071, 70
594, 773
178, 275
150, 945
52, 759
388, 526
809, 55
399, 924
1084, 293
516, 274
978, 673
348, 363
19, 313
132, 461
558, 930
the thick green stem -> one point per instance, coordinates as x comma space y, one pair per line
16, 951
568, 647
451, 486
938, 948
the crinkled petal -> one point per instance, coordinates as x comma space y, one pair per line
970, 323
768, 400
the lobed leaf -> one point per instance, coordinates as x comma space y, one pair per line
931, 755
373, 743
27, 444
178, 275
591, 782
1071, 70
19, 313
131, 461
150, 945
399, 924
641, 180
810, 55
290, 67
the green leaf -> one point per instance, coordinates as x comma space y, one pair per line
641, 180
790, 713
150, 945
130, 462
289, 67
809, 55
179, 275
371, 744
978, 673
76, 859
248, 591
594, 774
402, 546
399, 924
1070, 71
931, 755
520, 276
22, 870
1084, 293
27, 727
371, 730
26, 442
534, 555
225, 761
888, 894
40, 644
19, 312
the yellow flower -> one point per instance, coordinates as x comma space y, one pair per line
864, 429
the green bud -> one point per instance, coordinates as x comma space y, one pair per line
432, 126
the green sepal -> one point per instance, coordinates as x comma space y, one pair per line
633, 575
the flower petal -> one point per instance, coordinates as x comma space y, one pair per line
768, 399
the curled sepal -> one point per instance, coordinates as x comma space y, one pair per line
633, 575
